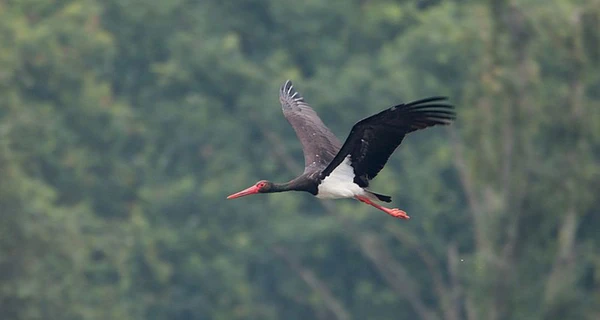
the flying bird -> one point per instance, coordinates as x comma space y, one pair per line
335, 171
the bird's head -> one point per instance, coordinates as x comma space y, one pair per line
263, 186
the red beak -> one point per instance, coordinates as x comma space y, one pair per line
245, 192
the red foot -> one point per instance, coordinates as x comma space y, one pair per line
396, 213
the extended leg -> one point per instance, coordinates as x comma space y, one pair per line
396, 213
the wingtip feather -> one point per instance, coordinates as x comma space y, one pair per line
426, 100
287, 85
427, 112
288, 92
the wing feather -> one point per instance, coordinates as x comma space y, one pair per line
319, 144
373, 140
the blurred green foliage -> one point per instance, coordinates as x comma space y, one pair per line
125, 124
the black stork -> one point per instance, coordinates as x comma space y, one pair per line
333, 170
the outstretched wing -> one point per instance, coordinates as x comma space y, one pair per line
372, 140
319, 144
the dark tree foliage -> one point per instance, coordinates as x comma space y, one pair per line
125, 124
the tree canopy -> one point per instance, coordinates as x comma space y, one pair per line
125, 124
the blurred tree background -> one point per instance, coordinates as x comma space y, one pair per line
124, 124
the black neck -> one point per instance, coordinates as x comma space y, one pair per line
298, 184
282, 187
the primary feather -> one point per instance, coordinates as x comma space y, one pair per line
319, 144
372, 140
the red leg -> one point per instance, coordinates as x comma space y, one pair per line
396, 213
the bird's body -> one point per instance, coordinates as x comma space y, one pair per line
340, 183
333, 170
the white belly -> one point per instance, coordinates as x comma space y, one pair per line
340, 183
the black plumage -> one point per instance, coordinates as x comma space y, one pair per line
373, 140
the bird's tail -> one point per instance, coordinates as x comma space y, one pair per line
381, 197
